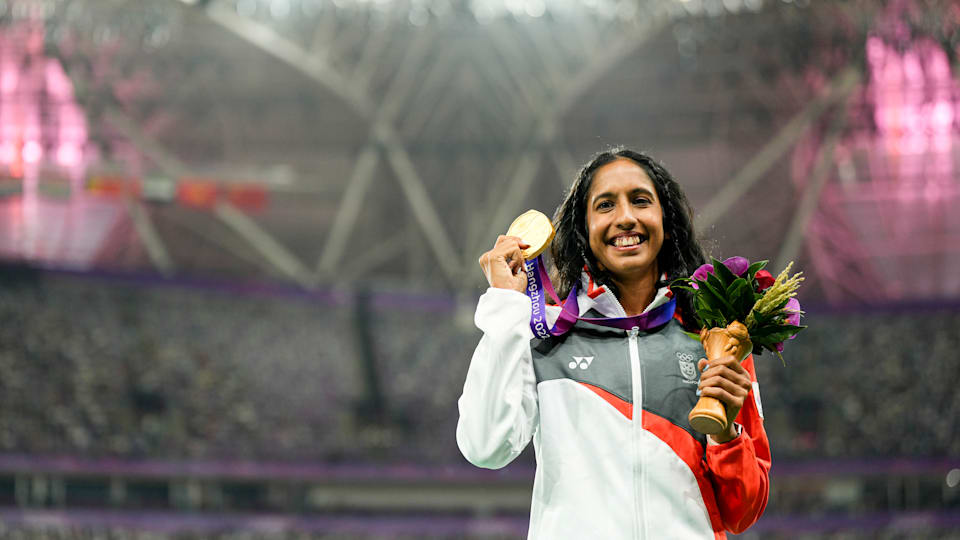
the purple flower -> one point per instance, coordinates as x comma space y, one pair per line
702, 274
737, 265
793, 308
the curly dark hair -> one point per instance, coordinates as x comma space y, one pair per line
679, 256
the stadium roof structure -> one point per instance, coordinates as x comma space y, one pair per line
332, 142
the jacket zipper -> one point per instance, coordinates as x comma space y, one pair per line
638, 471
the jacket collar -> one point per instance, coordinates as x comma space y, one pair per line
598, 297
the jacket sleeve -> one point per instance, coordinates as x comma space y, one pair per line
740, 469
498, 407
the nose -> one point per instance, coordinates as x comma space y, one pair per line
624, 218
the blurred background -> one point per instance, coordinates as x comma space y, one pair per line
239, 242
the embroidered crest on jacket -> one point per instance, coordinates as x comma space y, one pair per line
688, 368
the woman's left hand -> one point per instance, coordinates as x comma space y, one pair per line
729, 382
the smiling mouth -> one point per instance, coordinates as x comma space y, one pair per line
628, 240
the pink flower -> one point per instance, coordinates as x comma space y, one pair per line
793, 308
764, 279
702, 273
737, 265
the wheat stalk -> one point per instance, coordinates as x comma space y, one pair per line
783, 288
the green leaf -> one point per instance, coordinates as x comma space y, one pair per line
721, 302
733, 285
714, 319
706, 315
714, 275
762, 319
776, 336
754, 268
706, 311
704, 294
793, 330
741, 296
761, 332
715, 280
723, 272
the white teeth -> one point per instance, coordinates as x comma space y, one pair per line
625, 241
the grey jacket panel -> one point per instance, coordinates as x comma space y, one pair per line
589, 353
600, 356
668, 359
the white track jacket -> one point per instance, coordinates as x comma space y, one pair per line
607, 468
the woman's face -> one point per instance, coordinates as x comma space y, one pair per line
625, 221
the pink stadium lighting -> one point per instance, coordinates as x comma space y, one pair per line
43, 130
68, 155
71, 131
37, 106
913, 92
887, 216
32, 152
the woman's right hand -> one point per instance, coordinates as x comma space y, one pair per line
503, 265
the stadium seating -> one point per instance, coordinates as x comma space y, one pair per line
104, 368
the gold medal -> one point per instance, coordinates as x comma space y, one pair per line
535, 229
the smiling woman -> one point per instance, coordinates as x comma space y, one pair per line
626, 465
625, 229
658, 210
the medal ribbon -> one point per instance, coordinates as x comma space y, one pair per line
538, 285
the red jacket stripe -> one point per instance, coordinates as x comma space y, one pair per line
691, 452
624, 407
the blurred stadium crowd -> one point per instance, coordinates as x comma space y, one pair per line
141, 369
167, 372
95, 368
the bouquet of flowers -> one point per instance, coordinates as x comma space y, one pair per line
740, 308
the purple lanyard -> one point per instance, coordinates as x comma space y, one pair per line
537, 280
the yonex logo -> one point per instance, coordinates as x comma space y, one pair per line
582, 362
